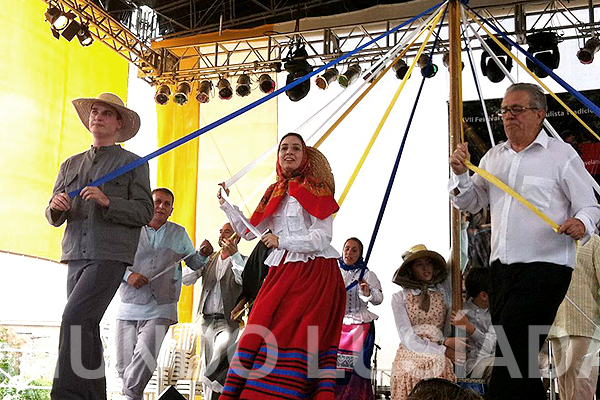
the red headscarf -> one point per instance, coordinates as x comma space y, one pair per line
314, 195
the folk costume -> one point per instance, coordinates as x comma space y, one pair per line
289, 347
358, 334
421, 315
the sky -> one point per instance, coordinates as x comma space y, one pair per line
418, 208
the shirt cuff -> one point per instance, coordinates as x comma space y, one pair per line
237, 258
127, 274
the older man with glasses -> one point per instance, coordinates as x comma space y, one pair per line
531, 264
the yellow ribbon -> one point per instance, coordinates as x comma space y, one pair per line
508, 190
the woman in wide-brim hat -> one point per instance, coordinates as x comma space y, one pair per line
300, 306
421, 315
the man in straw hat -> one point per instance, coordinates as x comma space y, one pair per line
100, 240
531, 264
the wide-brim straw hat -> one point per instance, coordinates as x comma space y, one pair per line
131, 119
320, 168
414, 253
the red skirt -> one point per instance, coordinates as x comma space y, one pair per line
289, 347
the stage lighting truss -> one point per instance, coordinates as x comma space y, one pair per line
182, 93
266, 83
543, 46
162, 95
428, 68
326, 78
224, 88
586, 53
489, 67
351, 75
242, 87
203, 95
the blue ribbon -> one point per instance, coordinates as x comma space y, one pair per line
582, 99
396, 164
121, 170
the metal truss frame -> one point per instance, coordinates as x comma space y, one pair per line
266, 53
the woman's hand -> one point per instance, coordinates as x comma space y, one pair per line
270, 240
364, 288
219, 195
456, 349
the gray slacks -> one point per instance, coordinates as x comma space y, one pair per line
138, 345
91, 285
217, 337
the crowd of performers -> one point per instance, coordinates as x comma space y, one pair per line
309, 332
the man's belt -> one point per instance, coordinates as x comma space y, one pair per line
214, 316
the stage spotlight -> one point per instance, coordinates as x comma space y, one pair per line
428, 68
203, 95
224, 88
84, 36
182, 93
297, 66
544, 47
351, 74
586, 54
446, 61
57, 18
400, 69
71, 30
326, 78
266, 83
489, 67
243, 85
163, 93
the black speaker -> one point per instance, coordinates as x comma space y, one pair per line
170, 393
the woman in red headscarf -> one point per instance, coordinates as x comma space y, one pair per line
289, 347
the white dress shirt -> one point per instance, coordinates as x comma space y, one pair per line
356, 301
548, 173
302, 235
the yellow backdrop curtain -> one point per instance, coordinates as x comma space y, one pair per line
39, 127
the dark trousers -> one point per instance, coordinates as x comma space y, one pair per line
523, 297
91, 285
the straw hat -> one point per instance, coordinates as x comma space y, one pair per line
414, 253
131, 120
320, 168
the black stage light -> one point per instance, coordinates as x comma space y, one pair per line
266, 83
297, 66
84, 36
203, 95
489, 67
326, 78
57, 18
182, 93
400, 69
586, 54
428, 68
243, 85
162, 95
351, 74
224, 88
71, 30
544, 47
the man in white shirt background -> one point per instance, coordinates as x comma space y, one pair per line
221, 287
531, 265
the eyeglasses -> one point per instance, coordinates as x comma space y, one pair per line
514, 110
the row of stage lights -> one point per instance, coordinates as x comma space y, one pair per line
64, 24
542, 45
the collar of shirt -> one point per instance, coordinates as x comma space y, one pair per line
541, 139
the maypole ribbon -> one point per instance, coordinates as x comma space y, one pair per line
582, 99
387, 112
121, 170
396, 165
510, 191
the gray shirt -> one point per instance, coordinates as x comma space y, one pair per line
103, 233
482, 343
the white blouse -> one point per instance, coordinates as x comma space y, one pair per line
356, 301
405, 329
302, 235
